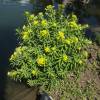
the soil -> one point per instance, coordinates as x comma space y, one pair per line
92, 73
19, 91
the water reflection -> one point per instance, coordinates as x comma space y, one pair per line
15, 1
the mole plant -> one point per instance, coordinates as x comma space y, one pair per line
52, 45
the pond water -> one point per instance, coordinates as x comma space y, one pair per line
11, 17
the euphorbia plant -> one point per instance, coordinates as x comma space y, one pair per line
52, 45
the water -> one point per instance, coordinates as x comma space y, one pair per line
11, 17
15, 1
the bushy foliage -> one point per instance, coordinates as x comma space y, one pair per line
51, 45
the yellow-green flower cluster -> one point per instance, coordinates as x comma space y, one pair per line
88, 41
26, 34
49, 7
68, 41
35, 22
34, 72
17, 52
73, 25
74, 18
60, 35
65, 58
54, 24
12, 74
44, 33
47, 50
80, 62
74, 39
71, 40
85, 54
31, 17
41, 61
53, 48
44, 23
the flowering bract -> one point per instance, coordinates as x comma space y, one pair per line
41, 61
60, 36
65, 57
47, 49
51, 45
34, 72
44, 33
44, 22
35, 22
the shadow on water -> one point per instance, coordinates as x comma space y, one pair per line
11, 17
7, 45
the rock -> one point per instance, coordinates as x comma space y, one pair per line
44, 96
